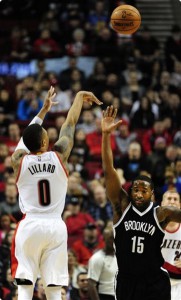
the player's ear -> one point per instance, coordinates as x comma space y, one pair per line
43, 142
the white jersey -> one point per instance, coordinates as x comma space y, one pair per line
171, 251
42, 184
103, 268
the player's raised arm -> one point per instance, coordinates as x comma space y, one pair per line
115, 193
21, 149
66, 137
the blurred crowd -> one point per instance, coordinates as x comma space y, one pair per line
131, 73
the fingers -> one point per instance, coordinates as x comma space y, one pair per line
89, 96
110, 112
51, 93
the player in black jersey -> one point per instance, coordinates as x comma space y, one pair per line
138, 228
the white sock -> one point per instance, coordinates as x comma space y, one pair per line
53, 292
25, 292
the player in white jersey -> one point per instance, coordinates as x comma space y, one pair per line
171, 248
40, 242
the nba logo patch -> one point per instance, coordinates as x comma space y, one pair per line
39, 158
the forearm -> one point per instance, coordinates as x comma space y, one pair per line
42, 113
93, 292
107, 155
75, 110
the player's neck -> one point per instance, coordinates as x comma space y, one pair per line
173, 226
38, 152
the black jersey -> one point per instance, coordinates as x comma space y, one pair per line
138, 240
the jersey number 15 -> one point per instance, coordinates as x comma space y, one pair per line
137, 244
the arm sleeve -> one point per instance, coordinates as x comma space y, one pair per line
21, 145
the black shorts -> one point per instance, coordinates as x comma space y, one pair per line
155, 287
106, 297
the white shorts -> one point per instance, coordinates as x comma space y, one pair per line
175, 289
40, 249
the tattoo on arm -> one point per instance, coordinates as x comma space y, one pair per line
67, 131
66, 138
16, 159
17, 155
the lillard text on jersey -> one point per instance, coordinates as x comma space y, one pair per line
38, 168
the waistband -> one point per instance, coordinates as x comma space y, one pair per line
42, 216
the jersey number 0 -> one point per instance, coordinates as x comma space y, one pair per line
44, 192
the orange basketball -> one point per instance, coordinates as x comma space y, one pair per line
125, 19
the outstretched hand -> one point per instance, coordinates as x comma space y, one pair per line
108, 121
48, 103
90, 98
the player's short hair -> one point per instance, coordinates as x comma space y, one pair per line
144, 178
32, 137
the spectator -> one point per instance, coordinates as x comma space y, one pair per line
5, 252
79, 153
91, 242
100, 208
143, 117
8, 282
133, 89
107, 98
175, 79
146, 50
78, 46
174, 110
64, 293
75, 220
96, 81
157, 161
40, 70
13, 295
153, 99
93, 141
65, 75
102, 270
149, 137
164, 84
124, 137
74, 268
82, 292
10, 204
53, 136
173, 47
178, 169
177, 138
45, 46
6, 110
75, 186
133, 162
171, 182
29, 105
105, 44
113, 84
87, 123
63, 101
5, 225
13, 137
97, 18
170, 245
131, 66
18, 45
39, 292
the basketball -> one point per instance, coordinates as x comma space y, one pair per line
125, 19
